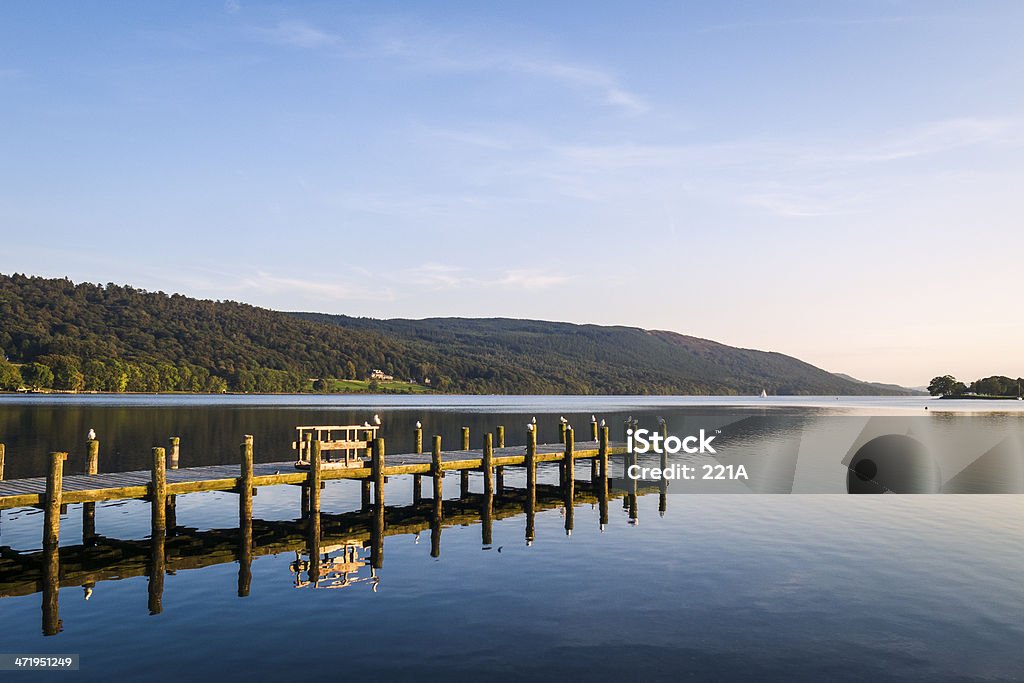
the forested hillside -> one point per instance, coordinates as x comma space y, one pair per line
56, 334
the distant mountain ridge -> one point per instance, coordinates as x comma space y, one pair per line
882, 386
58, 334
571, 358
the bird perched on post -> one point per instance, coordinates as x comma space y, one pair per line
91, 435
529, 426
376, 420
593, 418
418, 425
563, 420
602, 422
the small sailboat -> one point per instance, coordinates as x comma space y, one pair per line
764, 394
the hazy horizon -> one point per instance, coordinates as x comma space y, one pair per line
838, 183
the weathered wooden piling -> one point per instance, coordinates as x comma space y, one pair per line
602, 481
569, 464
51, 544
417, 479
3, 454
92, 468
663, 482
436, 473
158, 529
245, 491
561, 432
158, 491
499, 471
464, 474
487, 465
92, 456
173, 459
173, 452
314, 477
377, 470
52, 503
531, 481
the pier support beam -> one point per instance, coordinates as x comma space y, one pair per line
499, 471
437, 474
531, 481
602, 481
569, 466
173, 457
377, 539
314, 477
464, 474
245, 491
158, 531
92, 468
417, 479
487, 465
51, 544
3, 454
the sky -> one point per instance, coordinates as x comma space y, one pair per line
838, 181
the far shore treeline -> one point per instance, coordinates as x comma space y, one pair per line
58, 335
996, 386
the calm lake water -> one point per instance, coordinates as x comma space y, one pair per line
813, 587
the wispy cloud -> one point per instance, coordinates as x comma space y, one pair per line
296, 34
447, 53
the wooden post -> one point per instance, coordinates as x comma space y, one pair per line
51, 543
602, 481
92, 468
594, 436
438, 512
593, 430
561, 432
245, 518
531, 482
436, 473
158, 491
92, 456
3, 452
158, 531
569, 462
569, 459
464, 474
499, 471
378, 471
314, 477
377, 539
417, 479
173, 452
487, 464
662, 481
364, 498
304, 500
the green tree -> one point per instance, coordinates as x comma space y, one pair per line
350, 370
37, 376
10, 377
946, 385
67, 373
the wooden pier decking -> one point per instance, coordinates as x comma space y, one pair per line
94, 488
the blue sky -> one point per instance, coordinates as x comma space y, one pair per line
837, 181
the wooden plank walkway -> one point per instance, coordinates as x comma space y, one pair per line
86, 488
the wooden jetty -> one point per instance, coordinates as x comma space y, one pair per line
316, 533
